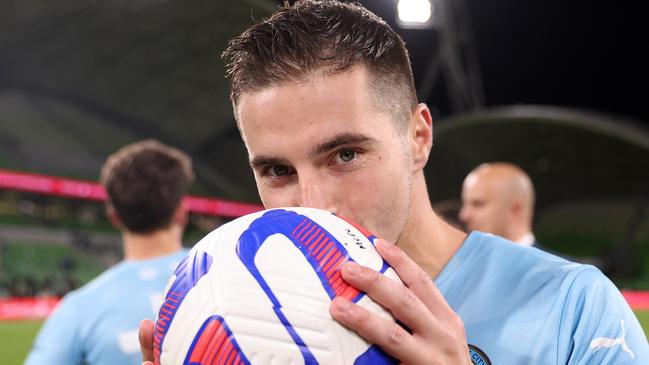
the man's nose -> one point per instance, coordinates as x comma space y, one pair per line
314, 194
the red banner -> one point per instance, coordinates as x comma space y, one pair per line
638, 300
27, 308
51, 185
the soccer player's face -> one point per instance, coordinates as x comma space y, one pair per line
322, 143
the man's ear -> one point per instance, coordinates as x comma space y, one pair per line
181, 214
421, 132
113, 217
516, 209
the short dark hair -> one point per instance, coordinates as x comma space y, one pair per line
322, 36
145, 182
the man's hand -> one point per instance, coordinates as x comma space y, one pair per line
438, 335
146, 341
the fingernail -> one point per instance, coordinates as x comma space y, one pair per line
352, 268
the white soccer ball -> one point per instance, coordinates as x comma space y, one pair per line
257, 291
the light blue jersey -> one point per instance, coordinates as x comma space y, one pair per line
521, 305
98, 323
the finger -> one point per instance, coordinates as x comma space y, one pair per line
146, 340
394, 296
416, 279
388, 335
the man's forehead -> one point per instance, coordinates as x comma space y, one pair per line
340, 85
477, 187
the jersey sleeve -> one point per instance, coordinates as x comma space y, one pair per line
58, 341
598, 326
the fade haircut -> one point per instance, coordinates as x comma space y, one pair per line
145, 182
323, 38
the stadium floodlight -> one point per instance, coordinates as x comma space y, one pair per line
415, 13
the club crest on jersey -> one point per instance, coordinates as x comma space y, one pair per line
478, 357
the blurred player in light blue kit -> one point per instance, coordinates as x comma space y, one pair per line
97, 324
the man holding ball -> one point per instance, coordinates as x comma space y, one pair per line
325, 102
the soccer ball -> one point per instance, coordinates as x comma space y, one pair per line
257, 291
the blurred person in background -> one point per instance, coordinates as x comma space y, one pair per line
97, 324
499, 198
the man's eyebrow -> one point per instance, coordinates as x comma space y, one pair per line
260, 161
340, 140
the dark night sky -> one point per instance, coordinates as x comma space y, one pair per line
578, 54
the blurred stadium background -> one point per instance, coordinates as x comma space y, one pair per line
546, 85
